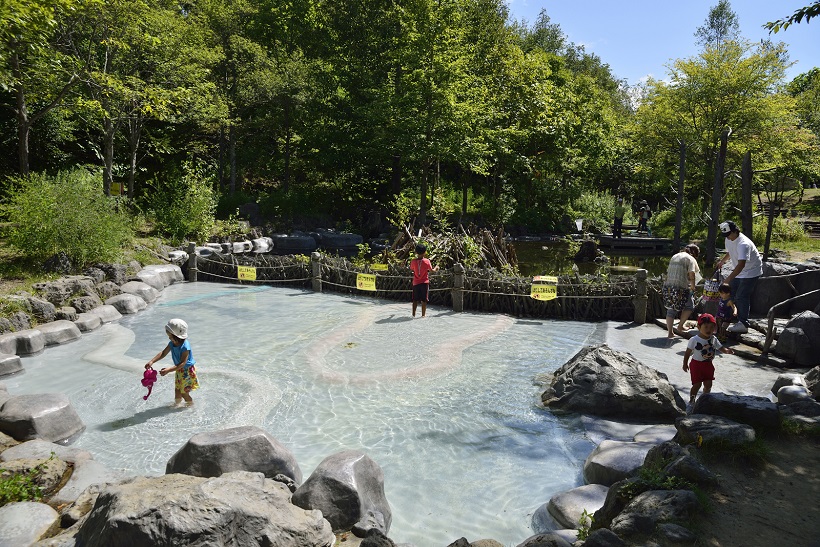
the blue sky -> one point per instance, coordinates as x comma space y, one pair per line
638, 37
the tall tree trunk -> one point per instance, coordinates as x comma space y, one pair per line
232, 158
717, 195
108, 154
23, 129
395, 175
773, 206
286, 177
746, 194
221, 169
463, 196
681, 179
425, 172
134, 137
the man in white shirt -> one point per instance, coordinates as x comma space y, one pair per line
748, 269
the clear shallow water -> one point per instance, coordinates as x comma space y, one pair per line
445, 405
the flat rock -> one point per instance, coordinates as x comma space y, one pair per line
47, 416
656, 434
567, 508
757, 412
168, 274
59, 332
23, 342
791, 394
39, 449
87, 322
24, 522
706, 428
9, 364
86, 473
107, 313
127, 304
612, 461
143, 290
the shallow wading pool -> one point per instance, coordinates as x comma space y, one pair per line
445, 405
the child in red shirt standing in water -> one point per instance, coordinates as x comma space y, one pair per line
421, 279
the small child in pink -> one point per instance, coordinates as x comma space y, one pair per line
421, 267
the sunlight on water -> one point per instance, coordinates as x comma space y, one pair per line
445, 405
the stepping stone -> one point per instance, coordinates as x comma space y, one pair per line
24, 342
25, 522
127, 304
59, 332
106, 313
39, 449
47, 416
143, 290
87, 322
9, 364
656, 434
568, 507
705, 428
612, 461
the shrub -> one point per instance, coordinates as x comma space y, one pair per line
183, 206
66, 212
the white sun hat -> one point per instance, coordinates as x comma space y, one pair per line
178, 328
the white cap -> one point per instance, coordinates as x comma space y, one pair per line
178, 328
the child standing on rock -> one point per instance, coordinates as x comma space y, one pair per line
702, 347
183, 358
421, 267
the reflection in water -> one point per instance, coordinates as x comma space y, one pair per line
445, 405
552, 258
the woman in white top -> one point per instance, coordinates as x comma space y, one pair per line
679, 288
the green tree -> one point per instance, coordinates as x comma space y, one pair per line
721, 25
806, 12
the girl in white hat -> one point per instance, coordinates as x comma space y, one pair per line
183, 358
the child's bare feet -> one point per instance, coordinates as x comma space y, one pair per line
176, 404
189, 404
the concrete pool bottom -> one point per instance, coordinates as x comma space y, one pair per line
444, 404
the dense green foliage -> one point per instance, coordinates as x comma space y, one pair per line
434, 112
66, 212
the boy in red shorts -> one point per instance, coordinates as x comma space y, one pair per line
701, 348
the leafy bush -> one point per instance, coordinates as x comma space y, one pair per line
783, 229
66, 212
16, 487
183, 206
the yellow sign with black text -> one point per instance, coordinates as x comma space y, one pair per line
544, 292
546, 279
366, 282
246, 273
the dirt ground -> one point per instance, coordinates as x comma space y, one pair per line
776, 503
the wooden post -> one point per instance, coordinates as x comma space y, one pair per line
458, 287
192, 270
316, 270
717, 195
641, 299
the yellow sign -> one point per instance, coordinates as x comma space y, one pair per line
366, 282
378, 267
546, 279
248, 273
544, 292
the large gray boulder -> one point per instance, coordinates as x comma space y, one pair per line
794, 345
87, 322
649, 509
715, 430
604, 382
87, 472
59, 332
24, 522
770, 291
547, 539
126, 303
348, 488
787, 395
9, 364
612, 461
47, 416
39, 449
757, 412
238, 509
86, 303
23, 342
143, 290
788, 379
673, 460
567, 508
59, 291
43, 310
246, 448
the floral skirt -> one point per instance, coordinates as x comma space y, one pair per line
185, 380
677, 298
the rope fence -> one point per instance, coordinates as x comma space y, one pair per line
621, 297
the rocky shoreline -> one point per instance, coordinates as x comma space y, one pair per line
229, 472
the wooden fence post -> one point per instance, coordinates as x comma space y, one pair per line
316, 270
192, 270
458, 287
641, 299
